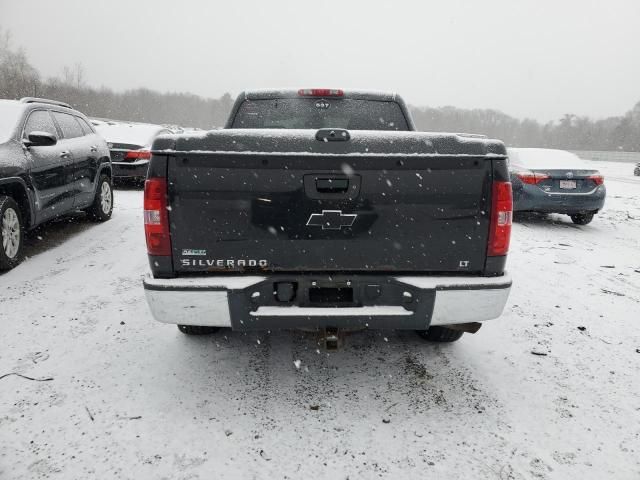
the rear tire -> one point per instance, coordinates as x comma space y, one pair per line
581, 218
440, 334
197, 329
102, 206
11, 233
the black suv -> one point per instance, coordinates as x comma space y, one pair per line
51, 162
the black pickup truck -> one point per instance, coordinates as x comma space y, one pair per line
325, 209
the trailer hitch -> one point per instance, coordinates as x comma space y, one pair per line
332, 337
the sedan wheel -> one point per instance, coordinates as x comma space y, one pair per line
581, 218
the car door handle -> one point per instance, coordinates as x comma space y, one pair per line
64, 154
94, 148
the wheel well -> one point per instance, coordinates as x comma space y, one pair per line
19, 195
105, 170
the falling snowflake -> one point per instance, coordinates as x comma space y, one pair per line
347, 169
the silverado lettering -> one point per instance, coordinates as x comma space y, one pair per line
200, 262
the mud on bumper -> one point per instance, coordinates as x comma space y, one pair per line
317, 301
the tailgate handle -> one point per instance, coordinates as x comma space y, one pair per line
332, 185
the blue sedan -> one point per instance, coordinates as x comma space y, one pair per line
555, 181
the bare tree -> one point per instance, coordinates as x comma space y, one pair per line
67, 75
78, 74
5, 41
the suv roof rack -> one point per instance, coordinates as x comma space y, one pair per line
44, 100
472, 135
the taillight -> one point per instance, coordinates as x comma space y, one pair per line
597, 179
156, 218
137, 155
532, 178
501, 217
320, 92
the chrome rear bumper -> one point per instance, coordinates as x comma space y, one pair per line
228, 301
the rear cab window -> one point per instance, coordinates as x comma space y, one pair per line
315, 113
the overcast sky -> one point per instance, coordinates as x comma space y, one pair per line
528, 58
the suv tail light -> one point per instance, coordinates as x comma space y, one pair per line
156, 218
137, 155
320, 92
501, 218
531, 178
597, 178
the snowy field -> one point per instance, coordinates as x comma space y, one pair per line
549, 391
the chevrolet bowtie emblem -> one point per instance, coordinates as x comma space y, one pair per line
331, 219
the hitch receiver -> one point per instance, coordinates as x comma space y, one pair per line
332, 338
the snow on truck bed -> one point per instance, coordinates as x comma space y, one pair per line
288, 142
548, 391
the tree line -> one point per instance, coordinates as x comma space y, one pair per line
18, 78
571, 132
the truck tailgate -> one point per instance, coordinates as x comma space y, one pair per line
238, 211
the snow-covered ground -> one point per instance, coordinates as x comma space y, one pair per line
133, 399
